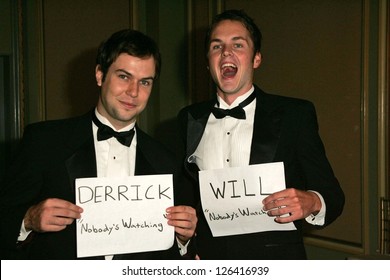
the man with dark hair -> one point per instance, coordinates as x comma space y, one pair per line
244, 126
38, 209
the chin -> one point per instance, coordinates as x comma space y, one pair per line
229, 89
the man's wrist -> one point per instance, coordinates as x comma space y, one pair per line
27, 221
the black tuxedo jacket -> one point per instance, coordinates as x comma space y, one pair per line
52, 155
286, 130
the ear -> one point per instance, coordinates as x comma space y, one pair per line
257, 60
98, 75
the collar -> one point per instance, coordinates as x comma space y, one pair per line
105, 121
238, 100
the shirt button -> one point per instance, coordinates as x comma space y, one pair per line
228, 133
227, 160
191, 158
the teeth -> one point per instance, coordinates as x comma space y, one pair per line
228, 65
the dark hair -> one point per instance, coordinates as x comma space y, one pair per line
236, 15
128, 41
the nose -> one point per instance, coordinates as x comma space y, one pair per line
226, 51
132, 89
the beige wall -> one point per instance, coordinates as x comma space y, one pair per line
312, 50
72, 32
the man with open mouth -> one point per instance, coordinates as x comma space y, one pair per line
244, 126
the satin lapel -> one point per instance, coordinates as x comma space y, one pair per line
266, 131
144, 155
196, 125
82, 162
195, 131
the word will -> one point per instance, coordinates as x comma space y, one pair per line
233, 189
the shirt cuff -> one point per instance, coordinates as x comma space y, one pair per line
319, 219
23, 234
182, 248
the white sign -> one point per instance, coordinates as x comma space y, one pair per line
123, 215
232, 198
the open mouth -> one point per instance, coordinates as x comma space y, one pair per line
229, 70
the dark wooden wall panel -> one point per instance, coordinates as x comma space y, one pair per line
72, 32
312, 50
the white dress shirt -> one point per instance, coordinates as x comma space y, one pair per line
112, 158
227, 143
116, 160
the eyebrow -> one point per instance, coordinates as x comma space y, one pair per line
239, 38
236, 38
129, 74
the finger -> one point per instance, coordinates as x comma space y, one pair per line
289, 192
50, 216
63, 212
184, 233
181, 208
50, 222
61, 203
274, 196
288, 217
52, 228
275, 204
181, 216
284, 220
278, 211
61, 221
181, 224
182, 213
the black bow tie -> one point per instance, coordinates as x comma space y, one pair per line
105, 132
237, 112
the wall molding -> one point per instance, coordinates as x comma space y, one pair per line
333, 245
32, 32
383, 95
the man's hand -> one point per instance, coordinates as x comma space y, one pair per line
184, 219
52, 214
295, 203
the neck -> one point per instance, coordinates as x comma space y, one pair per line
117, 125
230, 97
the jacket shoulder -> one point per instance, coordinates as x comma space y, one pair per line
152, 145
277, 98
274, 102
52, 126
197, 108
